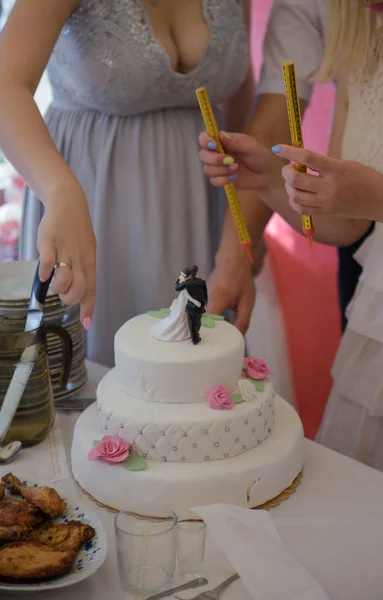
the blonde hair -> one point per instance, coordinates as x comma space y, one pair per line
349, 32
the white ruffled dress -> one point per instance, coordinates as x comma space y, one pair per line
353, 420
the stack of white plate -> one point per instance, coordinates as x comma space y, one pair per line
15, 289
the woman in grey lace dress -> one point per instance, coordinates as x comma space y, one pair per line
124, 123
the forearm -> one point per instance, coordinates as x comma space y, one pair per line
257, 215
269, 126
329, 229
26, 142
238, 109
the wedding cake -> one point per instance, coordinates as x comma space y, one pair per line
184, 419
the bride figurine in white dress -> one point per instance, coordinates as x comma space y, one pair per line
174, 328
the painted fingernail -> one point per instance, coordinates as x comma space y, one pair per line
228, 160
234, 167
212, 146
276, 149
86, 323
232, 177
226, 135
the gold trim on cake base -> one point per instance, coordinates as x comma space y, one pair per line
266, 506
282, 496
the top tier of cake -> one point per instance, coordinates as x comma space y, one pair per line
177, 372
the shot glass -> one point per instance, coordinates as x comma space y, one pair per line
191, 540
146, 538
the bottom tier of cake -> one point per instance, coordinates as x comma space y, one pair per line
248, 480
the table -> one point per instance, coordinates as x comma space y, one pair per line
333, 524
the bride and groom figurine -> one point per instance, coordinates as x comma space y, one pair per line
184, 321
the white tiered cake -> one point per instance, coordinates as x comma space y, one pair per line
206, 428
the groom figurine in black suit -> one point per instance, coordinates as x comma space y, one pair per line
196, 292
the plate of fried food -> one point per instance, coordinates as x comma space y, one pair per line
46, 541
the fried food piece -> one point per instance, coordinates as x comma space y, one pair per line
19, 512
45, 498
65, 536
27, 561
13, 533
2, 490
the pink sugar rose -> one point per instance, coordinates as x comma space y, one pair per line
111, 449
220, 398
255, 368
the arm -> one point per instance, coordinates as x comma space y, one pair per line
331, 229
343, 199
269, 125
237, 110
26, 43
65, 233
270, 121
231, 285
180, 285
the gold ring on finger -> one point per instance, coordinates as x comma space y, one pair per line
64, 264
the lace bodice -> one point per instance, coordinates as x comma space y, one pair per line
107, 58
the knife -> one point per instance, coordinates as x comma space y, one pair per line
186, 586
24, 368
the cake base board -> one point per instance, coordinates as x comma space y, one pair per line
273, 503
260, 477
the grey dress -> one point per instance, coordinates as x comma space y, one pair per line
128, 126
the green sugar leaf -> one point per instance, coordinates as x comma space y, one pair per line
207, 322
96, 442
237, 398
134, 463
259, 385
215, 317
159, 314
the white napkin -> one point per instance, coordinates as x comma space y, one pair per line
252, 545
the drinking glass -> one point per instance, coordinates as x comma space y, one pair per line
191, 539
146, 548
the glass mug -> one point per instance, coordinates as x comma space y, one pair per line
35, 414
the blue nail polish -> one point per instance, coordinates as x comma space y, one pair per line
232, 177
276, 149
212, 146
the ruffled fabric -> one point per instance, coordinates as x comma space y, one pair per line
350, 429
352, 422
365, 312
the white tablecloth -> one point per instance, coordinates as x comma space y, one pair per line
333, 524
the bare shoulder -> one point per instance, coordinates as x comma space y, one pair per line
29, 36
62, 9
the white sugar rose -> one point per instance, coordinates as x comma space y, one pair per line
247, 390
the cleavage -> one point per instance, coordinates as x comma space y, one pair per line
180, 28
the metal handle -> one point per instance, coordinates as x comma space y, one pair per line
67, 347
226, 583
39, 290
185, 586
